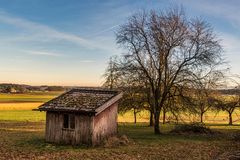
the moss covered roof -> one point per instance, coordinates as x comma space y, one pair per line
80, 99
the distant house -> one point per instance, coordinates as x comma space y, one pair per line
81, 116
13, 90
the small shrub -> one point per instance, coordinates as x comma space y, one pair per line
116, 141
196, 128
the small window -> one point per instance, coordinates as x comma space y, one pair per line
66, 121
69, 121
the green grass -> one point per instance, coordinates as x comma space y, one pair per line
22, 115
28, 97
16, 102
23, 112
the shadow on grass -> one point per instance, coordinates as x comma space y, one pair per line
142, 133
223, 125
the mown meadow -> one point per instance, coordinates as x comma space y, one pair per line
22, 136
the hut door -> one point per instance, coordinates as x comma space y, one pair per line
69, 128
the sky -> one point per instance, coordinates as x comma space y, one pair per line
69, 42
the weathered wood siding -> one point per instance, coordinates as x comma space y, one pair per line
105, 124
82, 134
90, 130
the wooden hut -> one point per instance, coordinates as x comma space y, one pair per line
81, 116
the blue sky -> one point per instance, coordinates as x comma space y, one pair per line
69, 42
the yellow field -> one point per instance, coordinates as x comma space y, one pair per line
19, 106
8, 110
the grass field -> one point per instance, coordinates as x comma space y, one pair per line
22, 137
25, 140
17, 105
23, 112
28, 97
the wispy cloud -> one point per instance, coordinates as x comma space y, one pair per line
104, 30
54, 54
41, 32
86, 61
228, 11
44, 53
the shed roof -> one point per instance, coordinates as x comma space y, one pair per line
92, 100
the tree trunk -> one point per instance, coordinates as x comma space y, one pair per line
157, 111
151, 119
156, 122
201, 116
164, 115
230, 118
135, 115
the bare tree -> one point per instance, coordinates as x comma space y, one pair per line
204, 91
112, 74
167, 49
132, 100
135, 95
117, 76
229, 104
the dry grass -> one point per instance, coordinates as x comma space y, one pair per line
116, 141
25, 140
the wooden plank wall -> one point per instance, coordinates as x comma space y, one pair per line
82, 134
105, 124
54, 123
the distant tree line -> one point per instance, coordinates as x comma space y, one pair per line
18, 88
